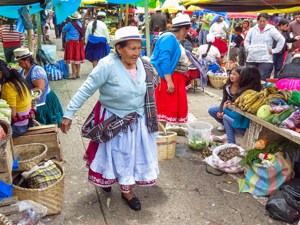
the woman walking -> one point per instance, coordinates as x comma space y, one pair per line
74, 51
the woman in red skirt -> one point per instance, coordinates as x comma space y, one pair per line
171, 63
74, 51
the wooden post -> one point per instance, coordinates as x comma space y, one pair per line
147, 29
29, 35
39, 31
127, 13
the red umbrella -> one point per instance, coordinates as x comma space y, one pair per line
236, 15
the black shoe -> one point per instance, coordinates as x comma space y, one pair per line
106, 189
134, 203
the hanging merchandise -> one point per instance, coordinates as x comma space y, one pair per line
25, 16
20, 27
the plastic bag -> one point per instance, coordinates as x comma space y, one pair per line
27, 204
230, 166
63, 67
53, 72
29, 217
284, 207
293, 188
50, 52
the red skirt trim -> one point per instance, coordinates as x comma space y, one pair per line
172, 108
97, 178
74, 52
221, 44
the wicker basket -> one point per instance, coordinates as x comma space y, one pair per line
217, 81
51, 196
166, 144
4, 220
7, 129
30, 155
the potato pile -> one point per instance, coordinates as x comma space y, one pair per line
228, 153
206, 152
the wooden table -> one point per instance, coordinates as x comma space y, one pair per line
261, 129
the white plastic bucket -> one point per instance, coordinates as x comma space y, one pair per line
199, 129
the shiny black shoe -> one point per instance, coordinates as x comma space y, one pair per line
134, 203
106, 189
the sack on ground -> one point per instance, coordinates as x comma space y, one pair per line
53, 72
42, 175
230, 166
261, 180
63, 67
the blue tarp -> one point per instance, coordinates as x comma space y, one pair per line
12, 11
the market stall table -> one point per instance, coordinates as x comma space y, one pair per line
261, 129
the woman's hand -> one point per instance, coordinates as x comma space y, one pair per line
226, 104
220, 115
170, 84
65, 125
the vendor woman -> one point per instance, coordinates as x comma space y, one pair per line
15, 91
48, 106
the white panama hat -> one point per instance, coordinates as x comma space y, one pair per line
296, 56
181, 20
21, 53
125, 34
101, 13
76, 15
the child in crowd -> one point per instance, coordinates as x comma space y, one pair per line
250, 78
230, 91
236, 43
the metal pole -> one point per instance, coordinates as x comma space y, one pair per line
147, 29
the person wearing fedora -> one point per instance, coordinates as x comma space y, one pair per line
171, 63
123, 122
49, 110
97, 38
11, 39
74, 50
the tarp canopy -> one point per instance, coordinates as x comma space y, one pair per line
269, 6
20, 2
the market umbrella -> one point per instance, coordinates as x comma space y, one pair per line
193, 8
172, 6
64, 8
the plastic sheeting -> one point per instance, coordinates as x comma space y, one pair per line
273, 6
12, 11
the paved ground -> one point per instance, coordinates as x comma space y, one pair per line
184, 194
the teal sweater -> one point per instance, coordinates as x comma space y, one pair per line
119, 93
239, 120
166, 54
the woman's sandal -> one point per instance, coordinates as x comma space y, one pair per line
77, 76
134, 203
71, 78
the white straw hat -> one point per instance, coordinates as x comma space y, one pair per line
125, 34
296, 56
210, 38
181, 20
101, 13
21, 53
75, 16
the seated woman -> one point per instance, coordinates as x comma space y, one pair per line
230, 91
49, 110
209, 54
289, 76
15, 91
250, 78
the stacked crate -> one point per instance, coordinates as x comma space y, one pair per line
6, 162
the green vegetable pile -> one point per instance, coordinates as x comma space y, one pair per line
272, 147
198, 143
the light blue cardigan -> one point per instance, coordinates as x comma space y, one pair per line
166, 54
119, 93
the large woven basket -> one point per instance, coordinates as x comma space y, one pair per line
217, 81
166, 144
30, 155
4, 220
7, 129
51, 196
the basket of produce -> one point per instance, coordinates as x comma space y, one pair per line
5, 134
217, 81
166, 143
51, 192
198, 134
30, 155
4, 220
